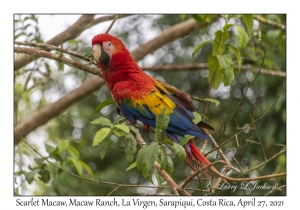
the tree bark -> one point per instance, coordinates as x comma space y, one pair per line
93, 84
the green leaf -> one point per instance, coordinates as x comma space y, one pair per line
122, 127
237, 55
243, 37
29, 176
102, 121
226, 65
273, 35
134, 129
197, 18
233, 16
62, 145
213, 67
248, 21
104, 104
86, 167
104, 145
163, 158
227, 76
100, 135
158, 177
168, 141
213, 101
180, 151
102, 153
73, 152
146, 158
225, 61
133, 165
44, 175
157, 134
150, 179
225, 16
198, 47
207, 17
197, 118
52, 169
77, 165
219, 42
39, 162
162, 120
118, 132
212, 62
17, 36
227, 26
88, 52
169, 167
185, 139
130, 147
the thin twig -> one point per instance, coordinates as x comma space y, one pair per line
237, 106
238, 164
111, 25
163, 173
249, 179
189, 178
52, 47
168, 179
259, 138
84, 22
246, 127
221, 152
91, 180
117, 187
94, 83
264, 163
215, 186
69, 62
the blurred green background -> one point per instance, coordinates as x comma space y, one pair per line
44, 81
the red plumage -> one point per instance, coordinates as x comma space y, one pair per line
140, 97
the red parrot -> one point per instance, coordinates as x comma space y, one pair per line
140, 97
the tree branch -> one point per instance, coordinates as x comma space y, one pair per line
269, 22
52, 110
92, 180
84, 22
225, 142
197, 66
67, 61
189, 178
95, 83
164, 174
172, 33
52, 47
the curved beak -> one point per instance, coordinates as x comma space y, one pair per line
100, 55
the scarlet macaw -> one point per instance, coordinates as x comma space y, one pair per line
140, 97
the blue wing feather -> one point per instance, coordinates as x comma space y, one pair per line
180, 120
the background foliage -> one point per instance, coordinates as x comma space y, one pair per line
68, 138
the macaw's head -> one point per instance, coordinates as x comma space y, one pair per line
108, 51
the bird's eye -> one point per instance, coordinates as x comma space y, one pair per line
109, 43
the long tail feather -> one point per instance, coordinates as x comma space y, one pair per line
200, 159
